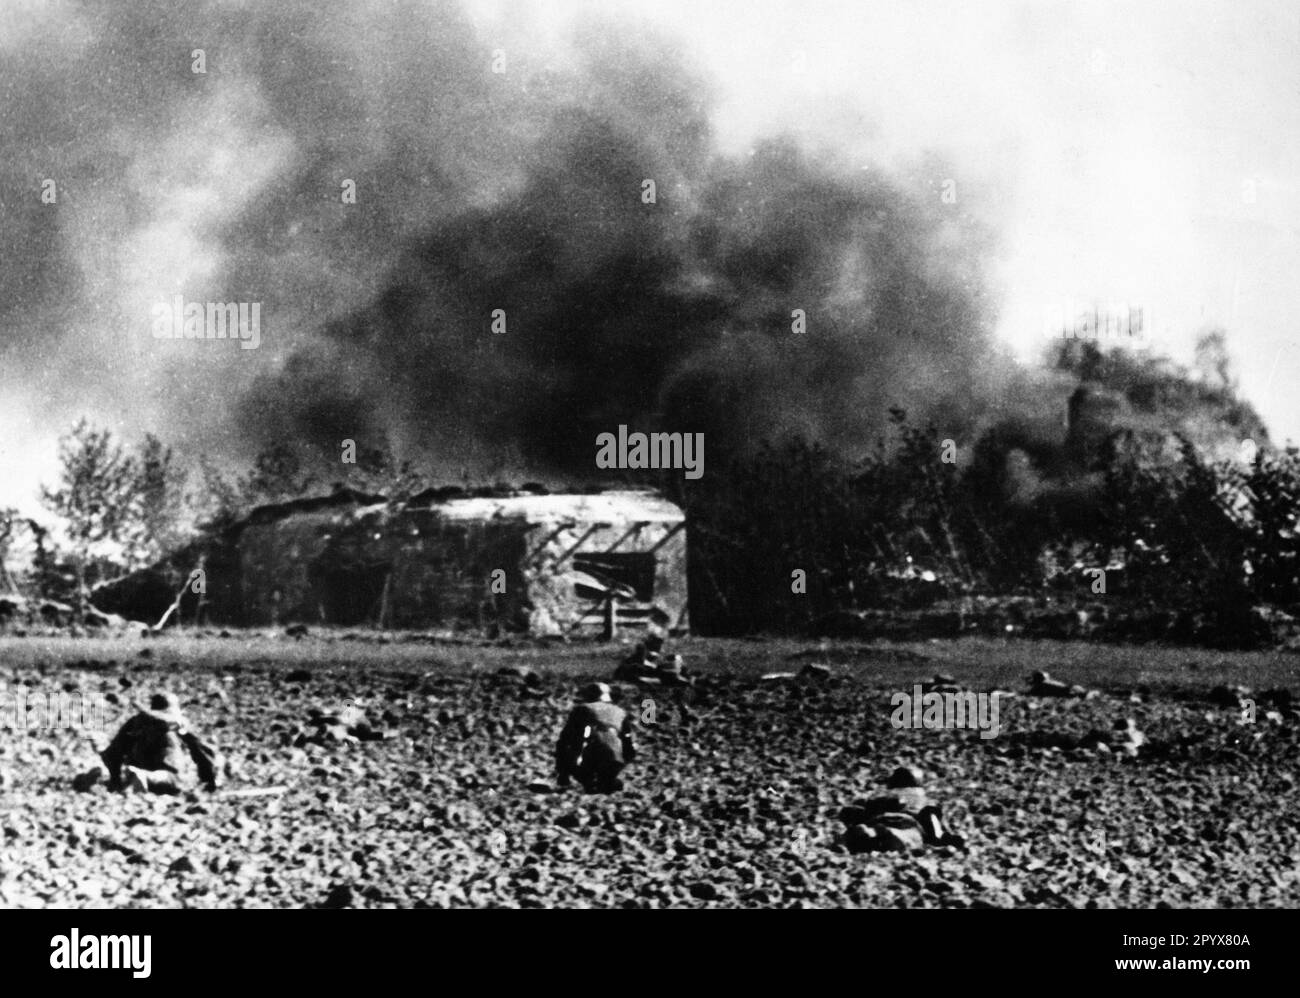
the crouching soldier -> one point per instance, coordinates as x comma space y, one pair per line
900, 819
159, 752
596, 742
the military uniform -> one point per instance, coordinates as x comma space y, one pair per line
595, 744
159, 751
1126, 738
648, 665
900, 819
1043, 685
642, 662
347, 724
672, 673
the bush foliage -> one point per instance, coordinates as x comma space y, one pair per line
1205, 540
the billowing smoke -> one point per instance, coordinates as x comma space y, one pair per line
520, 192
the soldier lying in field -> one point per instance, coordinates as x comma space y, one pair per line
1043, 685
346, 724
648, 664
595, 744
900, 819
643, 660
156, 752
1124, 738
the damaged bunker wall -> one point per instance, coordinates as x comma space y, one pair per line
561, 557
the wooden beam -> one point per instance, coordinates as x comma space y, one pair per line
611, 618
383, 600
576, 544
536, 552
667, 537
635, 528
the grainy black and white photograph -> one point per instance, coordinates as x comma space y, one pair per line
693, 454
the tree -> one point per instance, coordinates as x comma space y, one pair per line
156, 521
217, 504
1213, 361
96, 495
8, 521
49, 573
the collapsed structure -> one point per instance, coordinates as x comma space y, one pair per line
547, 565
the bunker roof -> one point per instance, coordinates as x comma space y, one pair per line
615, 506
603, 507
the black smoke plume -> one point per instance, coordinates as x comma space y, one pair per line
477, 191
